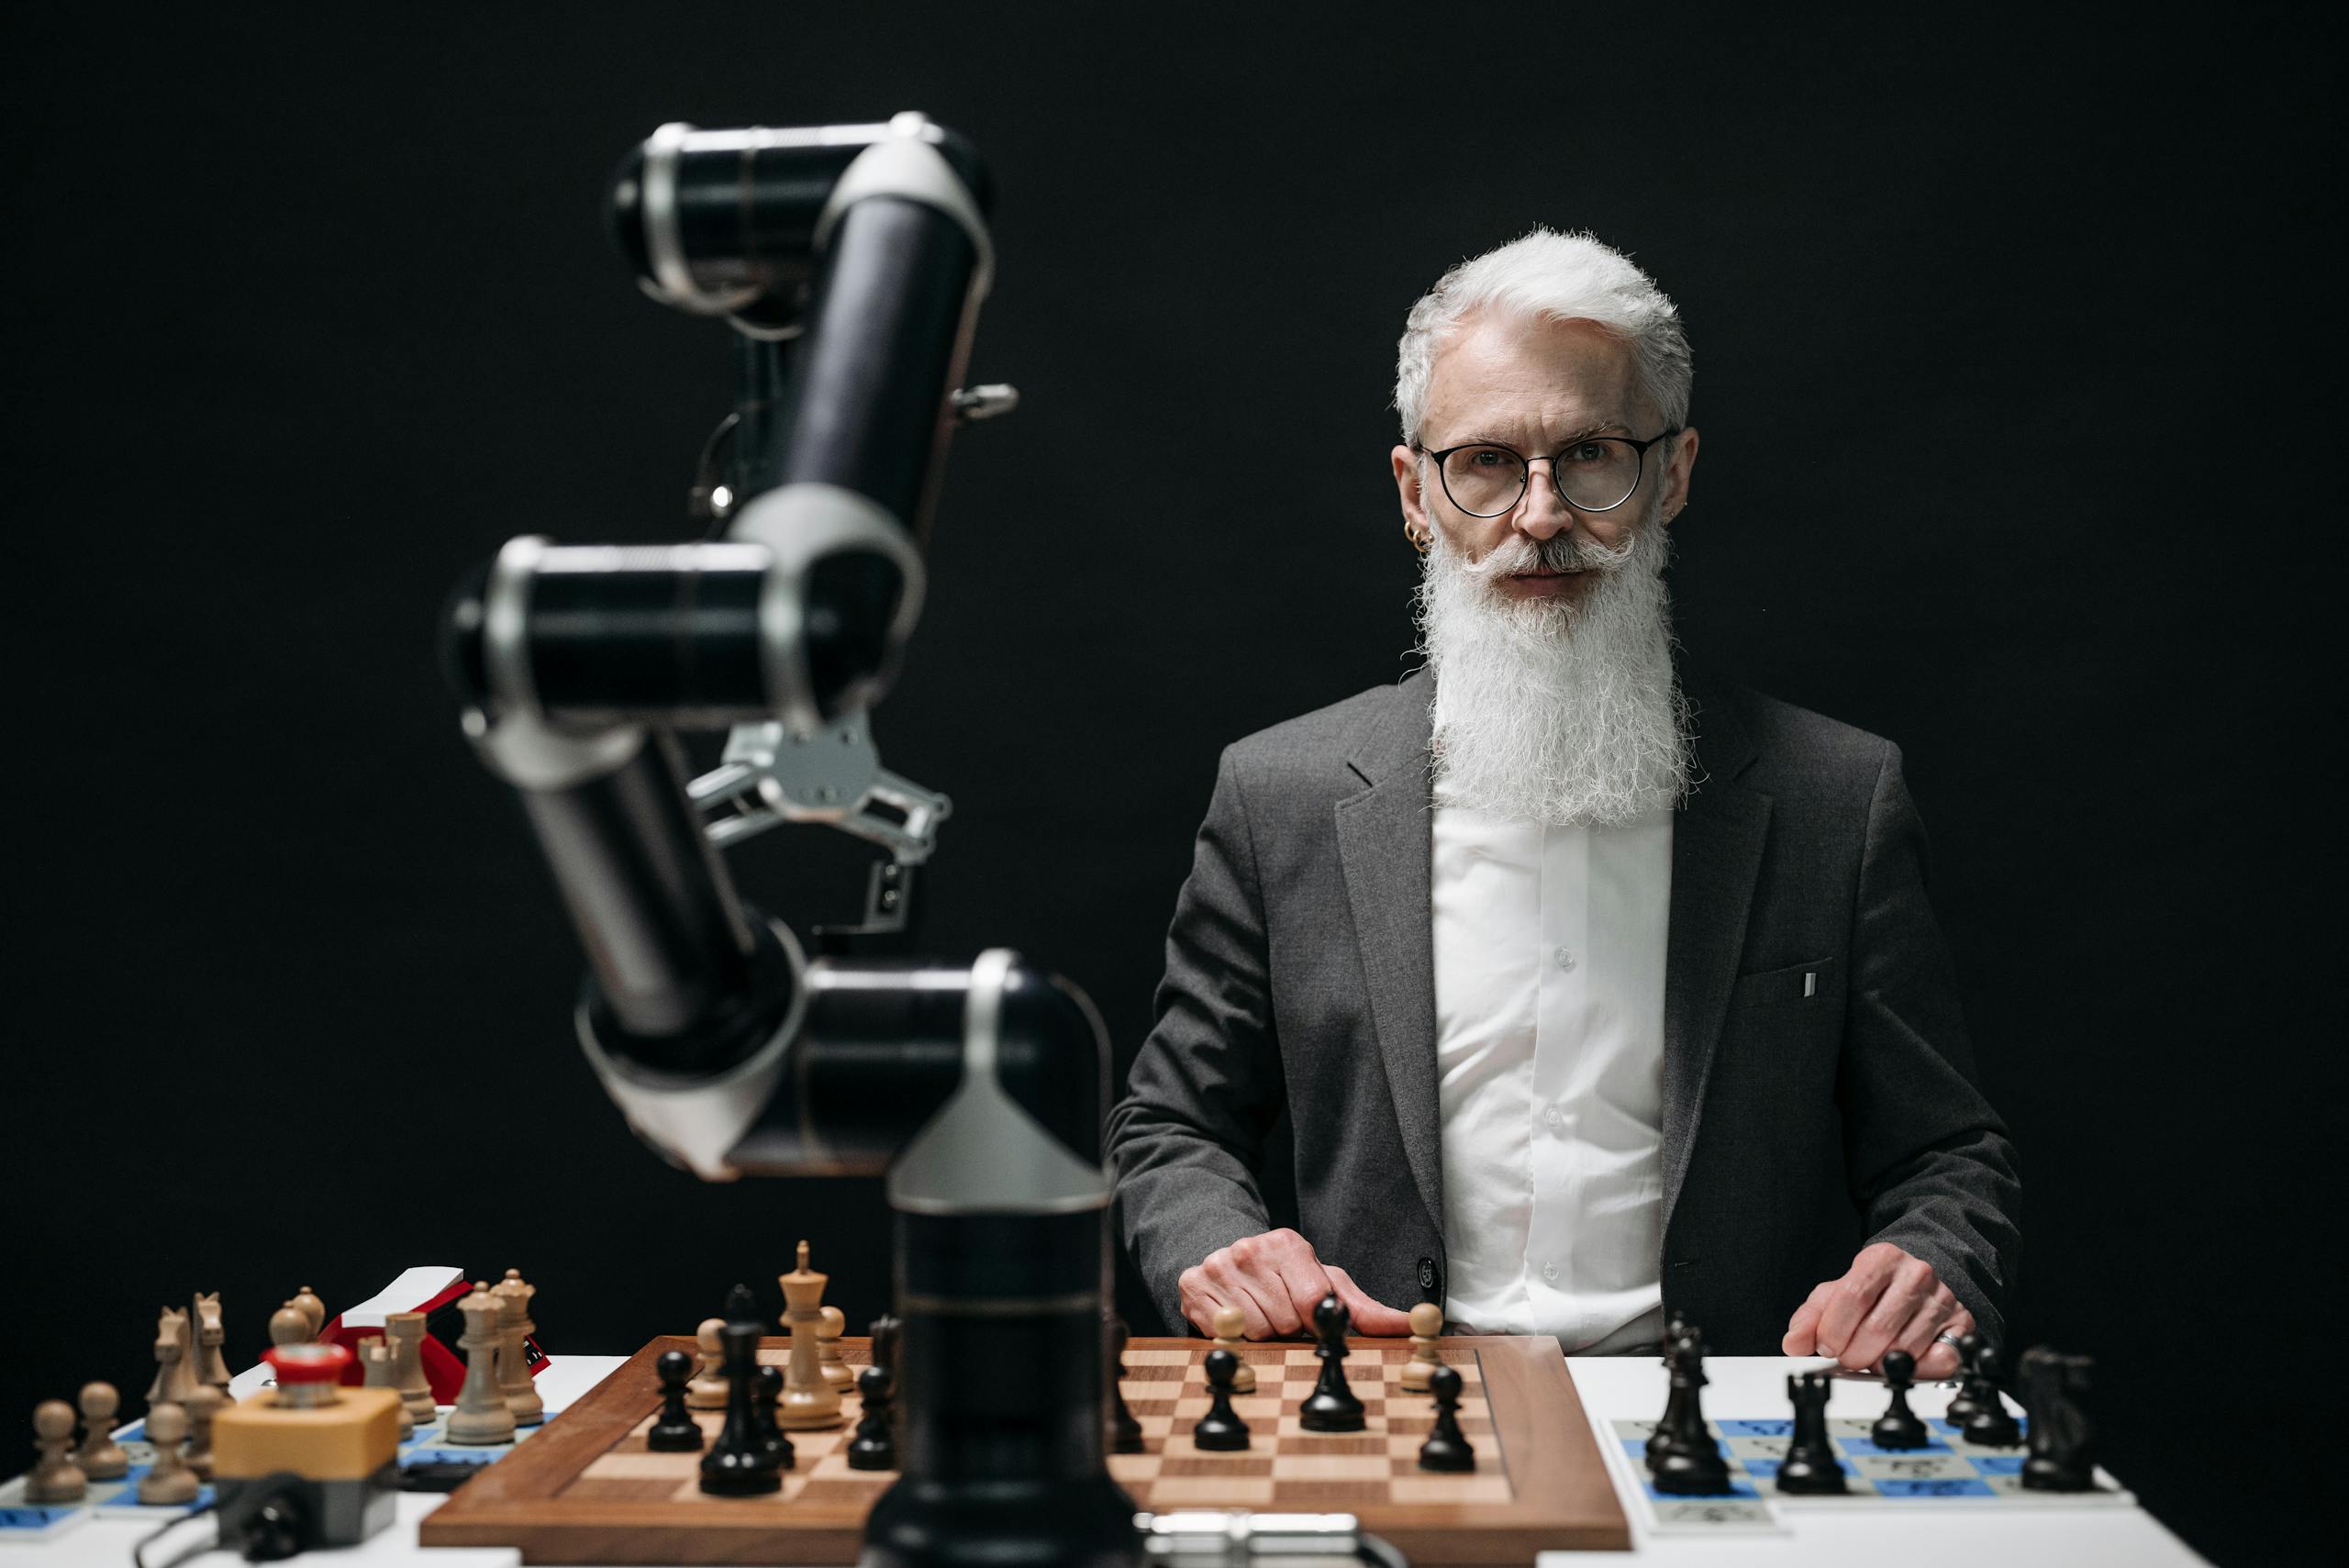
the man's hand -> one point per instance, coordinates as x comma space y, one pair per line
1276, 1280
1889, 1301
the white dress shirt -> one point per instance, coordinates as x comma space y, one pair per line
1549, 1000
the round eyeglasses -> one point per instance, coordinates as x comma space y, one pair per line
1596, 473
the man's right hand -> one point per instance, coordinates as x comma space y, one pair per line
1276, 1280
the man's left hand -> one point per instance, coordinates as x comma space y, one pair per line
1889, 1301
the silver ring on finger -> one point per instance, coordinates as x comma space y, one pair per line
1946, 1338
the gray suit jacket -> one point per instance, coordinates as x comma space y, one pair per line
1300, 975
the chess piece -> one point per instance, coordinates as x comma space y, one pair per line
676, 1431
708, 1389
1230, 1327
1220, 1431
202, 1405
1691, 1463
174, 1378
1968, 1397
55, 1477
513, 1330
830, 1325
405, 1330
482, 1415
379, 1367
767, 1405
100, 1457
1427, 1322
1810, 1467
1899, 1427
2063, 1439
1447, 1449
211, 1359
289, 1325
1681, 1341
808, 1400
1331, 1406
168, 1480
1991, 1425
306, 1300
1125, 1432
874, 1447
739, 1463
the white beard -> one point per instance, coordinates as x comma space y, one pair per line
1553, 712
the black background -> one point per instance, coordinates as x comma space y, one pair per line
2015, 389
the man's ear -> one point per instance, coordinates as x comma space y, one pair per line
1406, 486
1682, 464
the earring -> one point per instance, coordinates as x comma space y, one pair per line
1419, 541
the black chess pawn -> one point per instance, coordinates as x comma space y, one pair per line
1447, 1447
2062, 1437
770, 1433
1899, 1427
1968, 1397
676, 1431
1989, 1424
1691, 1464
740, 1464
1220, 1431
1810, 1467
874, 1447
1331, 1406
1125, 1432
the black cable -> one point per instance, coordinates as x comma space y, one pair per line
1373, 1549
138, 1553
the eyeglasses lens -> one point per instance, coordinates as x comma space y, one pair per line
1594, 476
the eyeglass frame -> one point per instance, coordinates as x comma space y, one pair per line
1527, 463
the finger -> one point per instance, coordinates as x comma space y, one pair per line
1911, 1285
1371, 1316
1942, 1360
1918, 1336
1848, 1304
1231, 1289
1294, 1273
1199, 1305
1802, 1328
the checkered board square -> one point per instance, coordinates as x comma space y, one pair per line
1947, 1472
591, 1490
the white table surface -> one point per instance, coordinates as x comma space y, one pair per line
1612, 1388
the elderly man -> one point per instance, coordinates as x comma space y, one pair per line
1593, 987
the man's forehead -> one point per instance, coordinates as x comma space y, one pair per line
1516, 378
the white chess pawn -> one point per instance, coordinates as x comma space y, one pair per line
827, 1349
168, 1480
708, 1389
102, 1458
1230, 1331
55, 1478
1427, 1322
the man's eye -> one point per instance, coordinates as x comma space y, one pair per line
1487, 457
1588, 452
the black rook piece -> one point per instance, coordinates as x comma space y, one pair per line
1989, 1424
1691, 1464
1810, 1467
676, 1431
874, 1447
1331, 1406
1220, 1431
1125, 1432
2063, 1440
739, 1465
1446, 1448
1899, 1427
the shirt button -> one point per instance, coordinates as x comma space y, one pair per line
1550, 1270
1566, 958
1552, 1117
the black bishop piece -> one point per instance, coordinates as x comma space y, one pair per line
1220, 1431
1446, 1448
1331, 1406
740, 1464
676, 1431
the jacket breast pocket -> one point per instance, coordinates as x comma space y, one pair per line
1810, 983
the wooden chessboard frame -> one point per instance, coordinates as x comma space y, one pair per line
1560, 1496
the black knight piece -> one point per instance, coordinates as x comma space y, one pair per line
1810, 1467
1691, 1465
676, 1431
739, 1465
1220, 1431
1988, 1425
1899, 1427
1125, 1432
2063, 1440
1447, 1447
1331, 1406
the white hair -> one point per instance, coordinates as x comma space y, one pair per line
1561, 277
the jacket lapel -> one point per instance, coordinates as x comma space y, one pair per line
1385, 852
1717, 842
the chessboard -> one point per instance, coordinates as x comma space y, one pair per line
588, 1490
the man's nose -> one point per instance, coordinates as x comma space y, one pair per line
1541, 514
